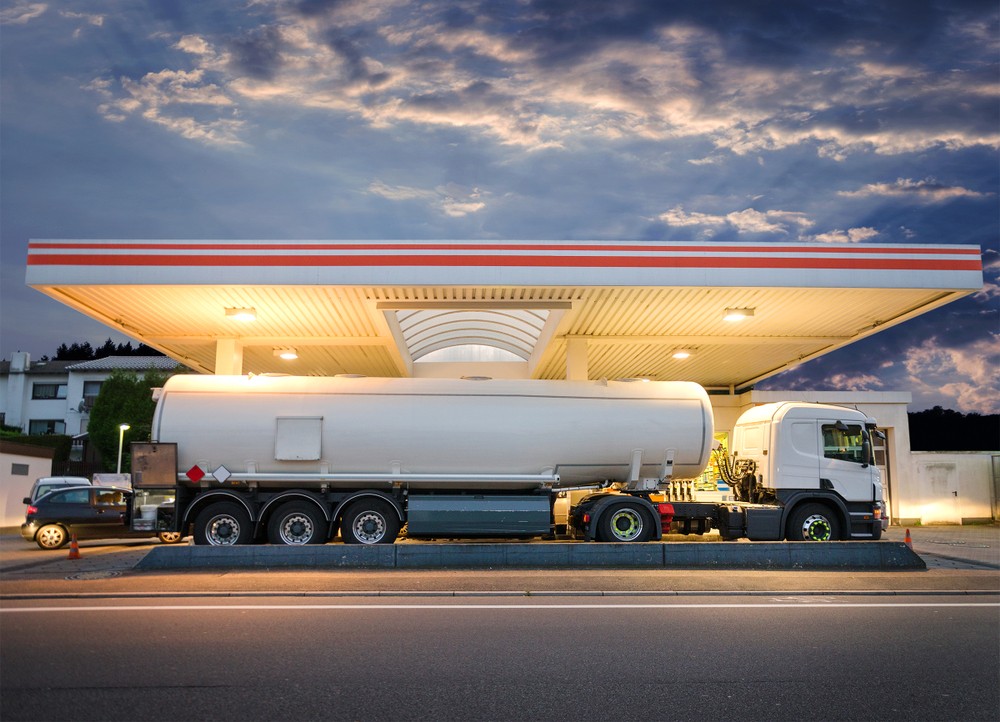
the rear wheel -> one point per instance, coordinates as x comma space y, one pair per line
223, 524
51, 536
296, 523
370, 521
624, 523
813, 522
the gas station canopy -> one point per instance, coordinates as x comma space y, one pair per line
723, 315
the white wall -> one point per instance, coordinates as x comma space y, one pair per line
949, 488
14, 487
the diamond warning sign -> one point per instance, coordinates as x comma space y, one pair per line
195, 473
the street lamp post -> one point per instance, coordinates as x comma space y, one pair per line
122, 428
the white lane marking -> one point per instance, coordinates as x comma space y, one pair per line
372, 607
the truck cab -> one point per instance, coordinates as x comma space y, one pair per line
814, 455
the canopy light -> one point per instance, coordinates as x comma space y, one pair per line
681, 354
289, 354
242, 314
737, 314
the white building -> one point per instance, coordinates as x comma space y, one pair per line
55, 397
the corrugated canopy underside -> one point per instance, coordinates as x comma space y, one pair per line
630, 328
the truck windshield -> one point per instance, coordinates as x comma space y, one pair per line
846, 444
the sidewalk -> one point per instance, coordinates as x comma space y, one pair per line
971, 543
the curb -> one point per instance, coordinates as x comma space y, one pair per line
670, 555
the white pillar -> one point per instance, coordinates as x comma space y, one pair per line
576, 359
228, 357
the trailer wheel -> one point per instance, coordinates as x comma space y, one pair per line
369, 521
296, 523
813, 522
170, 537
224, 524
624, 523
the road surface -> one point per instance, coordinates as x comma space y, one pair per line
857, 657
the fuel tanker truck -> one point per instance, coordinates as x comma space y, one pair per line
303, 460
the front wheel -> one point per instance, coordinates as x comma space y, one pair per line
624, 523
223, 524
370, 521
813, 522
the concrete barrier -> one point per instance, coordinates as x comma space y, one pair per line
559, 555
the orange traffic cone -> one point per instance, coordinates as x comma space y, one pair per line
74, 548
907, 541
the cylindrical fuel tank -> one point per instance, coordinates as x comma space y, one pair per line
584, 431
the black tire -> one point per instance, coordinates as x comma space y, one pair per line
370, 521
170, 537
222, 524
51, 536
297, 523
624, 523
813, 522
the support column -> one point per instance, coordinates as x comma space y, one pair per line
576, 359
228, 357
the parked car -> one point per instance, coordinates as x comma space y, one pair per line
90, 512
45, 484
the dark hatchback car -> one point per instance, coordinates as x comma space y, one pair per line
90, 512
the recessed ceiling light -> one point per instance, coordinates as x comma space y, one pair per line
737, 314
289, 354
242, 314
682, 353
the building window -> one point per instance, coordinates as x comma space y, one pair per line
48, 391
19, 469
39, 427
90, 391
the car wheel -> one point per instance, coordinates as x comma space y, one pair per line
51, 536
170, 537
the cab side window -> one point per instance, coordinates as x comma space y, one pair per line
843, 445
109, 498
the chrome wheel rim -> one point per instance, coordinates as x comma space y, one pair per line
296, 528
223, 530
816, 528
369, 527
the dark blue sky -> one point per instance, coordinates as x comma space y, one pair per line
825, 122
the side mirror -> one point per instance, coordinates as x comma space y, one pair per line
26, 500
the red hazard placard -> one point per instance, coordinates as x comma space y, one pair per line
195, 473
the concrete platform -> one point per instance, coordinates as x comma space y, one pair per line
883, 555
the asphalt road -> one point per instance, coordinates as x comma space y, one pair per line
932, 657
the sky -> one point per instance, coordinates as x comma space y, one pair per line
828, 122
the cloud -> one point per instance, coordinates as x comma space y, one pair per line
924, 191
22, 13
450, 200
851, 235
745, 221
522, 76
969, 374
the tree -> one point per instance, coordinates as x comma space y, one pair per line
124, 399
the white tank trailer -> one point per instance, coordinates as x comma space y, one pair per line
297, 460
